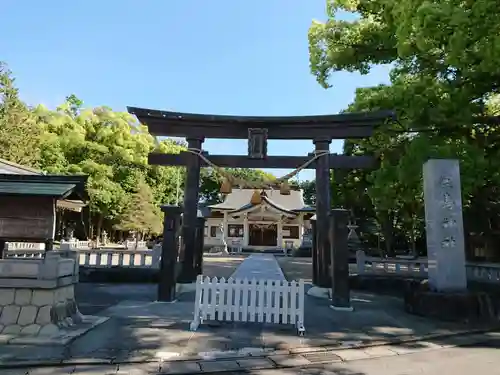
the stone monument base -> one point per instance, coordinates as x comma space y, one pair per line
37, 301
30, 311
319, 292
181, 288
466, 307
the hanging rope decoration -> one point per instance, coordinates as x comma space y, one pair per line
230, 180
262, 226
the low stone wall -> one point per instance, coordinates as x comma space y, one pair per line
119, 275
37, 295
31, 311
480, 303
467, 307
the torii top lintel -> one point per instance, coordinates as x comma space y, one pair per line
341, 126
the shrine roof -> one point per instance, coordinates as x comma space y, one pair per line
269, 202
60, 186
240, 199
36, 188
8, 167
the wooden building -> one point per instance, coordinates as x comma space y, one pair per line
29, 200
276, 222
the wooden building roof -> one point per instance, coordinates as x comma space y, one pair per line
240, 200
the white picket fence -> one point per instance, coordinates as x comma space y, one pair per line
243, 300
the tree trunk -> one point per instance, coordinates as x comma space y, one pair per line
91, 229
387, 231
413, 241
100, 220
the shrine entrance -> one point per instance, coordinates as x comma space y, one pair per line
263, 235
321, 130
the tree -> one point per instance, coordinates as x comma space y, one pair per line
454, 41
19, 132
309, 191
73, 105
444, 80
140, 214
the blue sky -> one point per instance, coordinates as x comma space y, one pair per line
217, 57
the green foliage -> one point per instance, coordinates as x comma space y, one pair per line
140, 213
19, 133
309, 191
446, 68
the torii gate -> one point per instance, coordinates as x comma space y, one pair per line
320, 129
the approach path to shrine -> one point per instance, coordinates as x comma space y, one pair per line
259, 267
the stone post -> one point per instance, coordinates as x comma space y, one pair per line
169, 254
341, 298
49, 245
322, 212
444, 225
279, 239
246, 230
360, 262
200, 242
224, 232
191, 193
314, 252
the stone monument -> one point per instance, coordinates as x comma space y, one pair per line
444, 225
104, 238
353, 242
223, 239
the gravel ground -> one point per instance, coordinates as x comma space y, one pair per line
296, 268
93, 297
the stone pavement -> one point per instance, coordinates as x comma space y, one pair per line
474, 353
466, 359
141, 330
259, 266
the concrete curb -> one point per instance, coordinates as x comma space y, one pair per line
343, 353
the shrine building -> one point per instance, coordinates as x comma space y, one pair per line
258, 220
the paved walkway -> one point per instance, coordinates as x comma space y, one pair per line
259, 266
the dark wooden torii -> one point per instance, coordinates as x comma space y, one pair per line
320, 129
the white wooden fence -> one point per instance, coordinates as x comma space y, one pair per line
243, 300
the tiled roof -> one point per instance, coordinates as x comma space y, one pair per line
8, 167
32, 184
239, 198
35, 188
